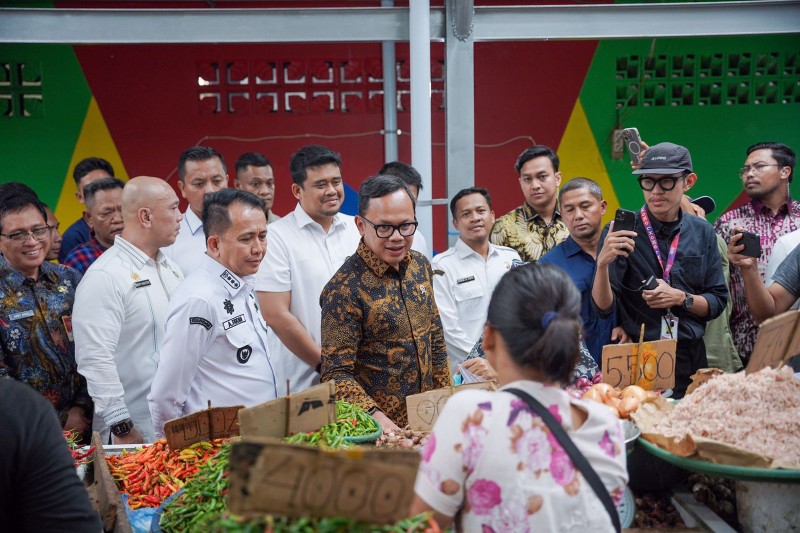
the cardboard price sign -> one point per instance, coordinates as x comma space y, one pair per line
214, 423
658, 364
778, 339
270, 476
424, 408
308, 410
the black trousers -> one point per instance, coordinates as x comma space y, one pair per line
690, 356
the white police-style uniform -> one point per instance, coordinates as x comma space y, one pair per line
189, 247
462, 285
118, 322
215, 347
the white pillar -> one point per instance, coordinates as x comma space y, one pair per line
389, 97
420, 48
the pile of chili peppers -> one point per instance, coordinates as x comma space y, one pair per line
153, 473
80, 455
351, 421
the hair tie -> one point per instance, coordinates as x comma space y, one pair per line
548, 317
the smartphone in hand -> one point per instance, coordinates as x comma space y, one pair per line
633, 142
752, 244
625, 220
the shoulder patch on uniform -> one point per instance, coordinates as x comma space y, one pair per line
437, 272
201, 321
230, 279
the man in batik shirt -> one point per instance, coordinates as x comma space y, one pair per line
536, 227
36, 300
770, 214
382, 338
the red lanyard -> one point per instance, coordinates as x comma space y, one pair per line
673, 248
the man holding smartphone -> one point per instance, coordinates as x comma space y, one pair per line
770, 214
679, 249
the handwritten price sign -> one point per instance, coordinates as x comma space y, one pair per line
270, 476
214, 423
424, 408
657, 364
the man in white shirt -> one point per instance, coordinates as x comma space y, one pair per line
307, 247
120, 309
201, 171
254, 174
412, 178
215, 347
466, 274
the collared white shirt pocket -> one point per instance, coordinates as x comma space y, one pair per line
468, 297
243, 341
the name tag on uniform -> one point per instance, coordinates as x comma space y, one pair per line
143, 283
21, 315
465, 280
233, 322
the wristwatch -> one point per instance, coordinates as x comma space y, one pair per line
120, 429
688, 301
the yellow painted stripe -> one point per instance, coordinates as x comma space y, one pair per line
580, 157
94, 141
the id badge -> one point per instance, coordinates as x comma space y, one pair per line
669, 327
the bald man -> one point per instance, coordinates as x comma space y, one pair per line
120, 310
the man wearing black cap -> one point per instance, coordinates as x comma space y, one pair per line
679, 249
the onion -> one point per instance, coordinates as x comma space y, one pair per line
592, 394
604, 389
634, 391
612, 401
612, 409
627, 406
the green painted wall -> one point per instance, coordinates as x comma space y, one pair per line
716, 134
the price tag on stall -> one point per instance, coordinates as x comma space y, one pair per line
308, 410
656, 365
270, 476
423, 408
210, 424
778, 339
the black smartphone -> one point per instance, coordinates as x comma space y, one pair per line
752, 244
625, 220
633, 142
650, 283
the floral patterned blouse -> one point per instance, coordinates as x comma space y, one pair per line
493, 463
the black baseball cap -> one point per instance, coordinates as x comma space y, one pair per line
665, 158
706, 203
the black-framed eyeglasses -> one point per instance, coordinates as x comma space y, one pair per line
757, 169
40, 234
384, 231
666, 184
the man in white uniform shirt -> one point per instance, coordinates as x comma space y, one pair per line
465, 275
412, 178
120, 309
215, 347
201, 171
307, 247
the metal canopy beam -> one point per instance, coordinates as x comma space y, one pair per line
623, 21
517, 23
172, 26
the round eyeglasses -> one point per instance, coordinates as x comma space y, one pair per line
666, 184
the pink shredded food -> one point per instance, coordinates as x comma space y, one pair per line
759, 412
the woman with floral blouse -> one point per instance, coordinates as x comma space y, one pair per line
493, 465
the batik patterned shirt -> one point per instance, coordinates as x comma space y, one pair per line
756, 218
82, 257
382, 338
35, 334
524, 230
